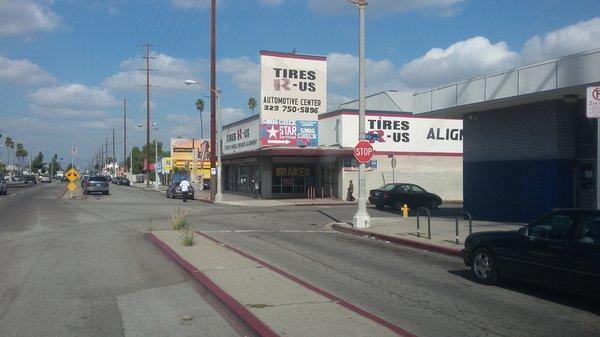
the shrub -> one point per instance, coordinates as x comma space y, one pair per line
179, 218
187, 236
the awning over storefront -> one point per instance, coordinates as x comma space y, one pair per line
292, 152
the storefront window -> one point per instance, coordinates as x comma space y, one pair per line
292, 178
240, 178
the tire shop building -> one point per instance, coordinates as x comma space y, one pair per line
528, 145
295, 147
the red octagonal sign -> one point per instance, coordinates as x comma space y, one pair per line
363, 151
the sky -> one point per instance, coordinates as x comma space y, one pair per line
67, 65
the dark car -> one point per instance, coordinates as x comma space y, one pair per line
96, 184
3, 186
561, 249
84, 180
30, 178
122, 181
207, 185
63, 178
396, 195
174, 191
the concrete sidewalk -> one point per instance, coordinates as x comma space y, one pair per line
271, 301
443, 231
235, 199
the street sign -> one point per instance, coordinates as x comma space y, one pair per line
363, 151
71, 187
372, 136
593, 102
72, 175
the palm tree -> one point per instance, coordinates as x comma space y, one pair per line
9, 145
200, 108
21, 154
252, 104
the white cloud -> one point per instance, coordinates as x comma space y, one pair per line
72, 101
23, 17
244, 72
271, 2
342, 69
191, 4
461, 60
579, 37
230, 115
23, 72
383, 7
169, 75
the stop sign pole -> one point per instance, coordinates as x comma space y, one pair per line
361, 218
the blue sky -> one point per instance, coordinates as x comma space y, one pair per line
66, 65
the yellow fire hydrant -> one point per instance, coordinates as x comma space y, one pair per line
405, 210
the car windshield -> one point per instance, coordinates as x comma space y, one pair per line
97, 178
387, 187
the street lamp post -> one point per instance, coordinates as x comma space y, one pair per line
219, 194
361, 218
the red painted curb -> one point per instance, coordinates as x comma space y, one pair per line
257, 325
394, 328
406, 242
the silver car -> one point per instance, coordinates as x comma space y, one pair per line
3, 187
96, 184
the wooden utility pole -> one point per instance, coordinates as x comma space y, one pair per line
106, 151
213, 105
114, 155
125, 134
147, 69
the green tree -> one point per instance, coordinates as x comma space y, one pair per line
21, 153
38, 162
252, 104
137, 160
2, 170
54, 165
200, 108
10, 144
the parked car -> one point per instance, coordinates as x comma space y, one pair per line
30, 178
174, 191
207, 185
84, 179
45, 179
63, 178
122, 181
560, 249
96, 184
397, 194
3, 187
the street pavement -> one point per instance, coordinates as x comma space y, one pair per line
83, 268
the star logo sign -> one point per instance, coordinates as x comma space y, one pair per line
272, 132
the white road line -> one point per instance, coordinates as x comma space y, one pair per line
268, 231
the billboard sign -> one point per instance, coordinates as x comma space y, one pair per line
182, 155
240, 137
404, 134
293, 94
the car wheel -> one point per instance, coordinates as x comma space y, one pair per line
398, 205
483, 267
379, 206
434, 204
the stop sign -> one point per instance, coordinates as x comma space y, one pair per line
363, 151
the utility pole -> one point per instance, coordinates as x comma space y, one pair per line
101, 167
125, 134
147, 69
213, 98
361, 218
114, 154
106, 150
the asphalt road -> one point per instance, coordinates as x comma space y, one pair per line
62, 260
67, 270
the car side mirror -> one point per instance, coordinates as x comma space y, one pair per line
524, 231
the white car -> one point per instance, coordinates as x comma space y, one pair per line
45, 179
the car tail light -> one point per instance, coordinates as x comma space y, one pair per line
386, 195
87, 184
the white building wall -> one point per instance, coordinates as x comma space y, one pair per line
440, 175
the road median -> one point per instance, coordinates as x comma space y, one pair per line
271, 301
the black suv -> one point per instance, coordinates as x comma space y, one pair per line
30, 178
